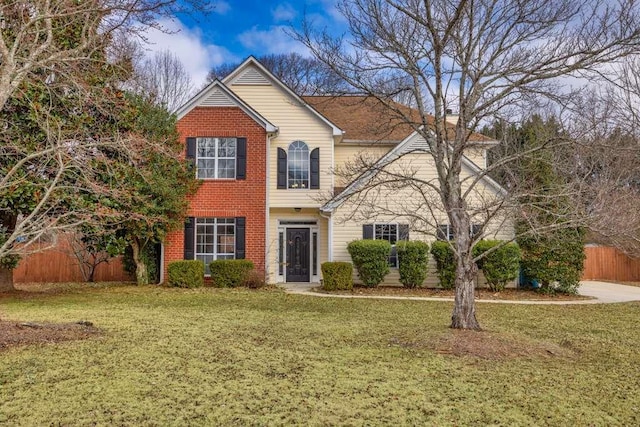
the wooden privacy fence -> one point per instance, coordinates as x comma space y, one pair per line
59, 265
607, 263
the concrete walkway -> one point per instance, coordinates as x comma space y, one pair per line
602, 292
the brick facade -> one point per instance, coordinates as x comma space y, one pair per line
228, 198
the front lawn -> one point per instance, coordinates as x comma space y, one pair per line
237, 357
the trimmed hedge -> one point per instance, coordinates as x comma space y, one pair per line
413, 258
186, 274
500, 266
371, 259
337, 276
230, 273
555, 260
444, 256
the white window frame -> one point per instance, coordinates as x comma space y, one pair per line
393, 245
215, 222
216, 158
308, 166
449, 234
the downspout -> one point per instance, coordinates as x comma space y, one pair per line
267, 240
330, 235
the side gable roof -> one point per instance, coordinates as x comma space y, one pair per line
217, 94
251, 61
414, 143
364, 118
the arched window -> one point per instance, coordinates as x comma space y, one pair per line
298, 165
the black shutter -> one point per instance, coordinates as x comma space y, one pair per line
191, 153
189, 238
367, 231
315, 169
282, 168
240, 237
241, 158
403, 231
191, 148
442, 232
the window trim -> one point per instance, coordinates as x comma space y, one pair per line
393, 253
449, 236
308, 166
217, 158
215, 253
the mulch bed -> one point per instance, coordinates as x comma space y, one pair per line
13, 334
507, 294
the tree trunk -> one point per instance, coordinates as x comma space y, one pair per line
142, 276
6, 280
464, 310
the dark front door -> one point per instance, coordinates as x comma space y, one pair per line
298, 255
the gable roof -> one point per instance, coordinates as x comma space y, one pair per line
217, 94
413, 143
251, 61
364, 118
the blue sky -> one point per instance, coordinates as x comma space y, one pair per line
238, 28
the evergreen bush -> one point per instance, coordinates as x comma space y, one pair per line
230, 273
371, 259
186, 274
337, 276
413, 259
444, 257
499, 266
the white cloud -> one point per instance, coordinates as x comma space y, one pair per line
188, 45
283, 12
273, 40
221, 7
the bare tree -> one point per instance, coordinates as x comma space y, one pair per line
34, 35
164, 80
482, 58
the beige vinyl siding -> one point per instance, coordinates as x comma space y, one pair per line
476, 155
288, 214
404, 202
347, 153
295, 123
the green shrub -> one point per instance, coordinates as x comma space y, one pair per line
186, 274
500, 266
337, 276
444, 256
230, 273
371, 259
413, 258
255, 280
555, 260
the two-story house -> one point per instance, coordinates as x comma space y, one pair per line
266, 158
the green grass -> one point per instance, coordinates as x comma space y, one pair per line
235, 357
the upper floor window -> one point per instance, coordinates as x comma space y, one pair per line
298, 165
216, 157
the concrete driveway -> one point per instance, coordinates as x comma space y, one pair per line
609, 292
